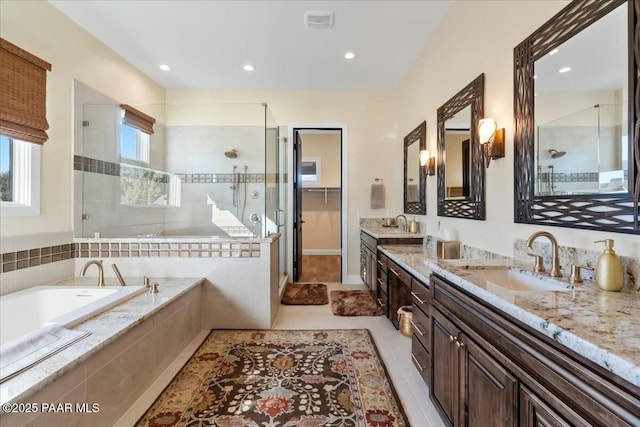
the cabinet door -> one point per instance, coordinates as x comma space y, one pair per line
487, 390
444, 367
535, 413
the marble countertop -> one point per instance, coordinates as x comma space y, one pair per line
375, 228
602, 326
104, 328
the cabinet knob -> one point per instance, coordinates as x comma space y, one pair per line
459, 344
452, 338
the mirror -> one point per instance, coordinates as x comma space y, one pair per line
457, 143
575, 82
460, 161
414, 176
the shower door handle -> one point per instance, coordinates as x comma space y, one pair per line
280, 217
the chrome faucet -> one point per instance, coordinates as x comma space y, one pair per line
404, 227
100, 270
555, 264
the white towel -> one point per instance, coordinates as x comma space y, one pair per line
377, 196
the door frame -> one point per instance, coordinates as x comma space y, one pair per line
344, 243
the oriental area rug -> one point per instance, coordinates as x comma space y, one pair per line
305, 294
272, 378
354, 303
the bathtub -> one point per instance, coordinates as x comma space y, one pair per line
24, 312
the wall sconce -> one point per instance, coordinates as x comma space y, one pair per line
428, 162
492, 140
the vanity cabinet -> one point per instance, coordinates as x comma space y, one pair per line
374, 268
491, 369
399, 286
469, 387
421, 328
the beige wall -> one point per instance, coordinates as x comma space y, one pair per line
39, 28
464, 46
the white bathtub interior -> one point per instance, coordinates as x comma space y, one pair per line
31, 309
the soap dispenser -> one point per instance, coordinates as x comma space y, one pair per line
609, 270
413, 227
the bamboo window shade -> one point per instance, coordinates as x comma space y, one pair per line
137, 119
23, 94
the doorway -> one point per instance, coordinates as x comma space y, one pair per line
318, 195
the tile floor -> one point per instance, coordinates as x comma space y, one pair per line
394, 348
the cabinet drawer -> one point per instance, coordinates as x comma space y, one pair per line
382, 261
421, 295
402, 275
420, 359
420, 325
369, 241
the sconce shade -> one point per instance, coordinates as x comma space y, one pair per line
424, 157
486, 130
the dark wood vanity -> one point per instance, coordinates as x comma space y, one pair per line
486, 368
386, 281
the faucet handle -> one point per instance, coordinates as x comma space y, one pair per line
538, 268
575, 272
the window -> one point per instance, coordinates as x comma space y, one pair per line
19, 177
134, 144
135, 136
310, 169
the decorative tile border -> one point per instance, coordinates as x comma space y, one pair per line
87, 164
135, 249
19, 260
12, 261
226, 178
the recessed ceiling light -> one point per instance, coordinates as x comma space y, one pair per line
564, 70
164, 67
248, 67
349, 55
553, 52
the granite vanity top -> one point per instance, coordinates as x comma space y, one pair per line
375, 227
104, 328
602, 326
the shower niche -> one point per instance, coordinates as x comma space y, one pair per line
197, 170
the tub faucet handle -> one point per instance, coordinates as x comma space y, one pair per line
154, 288
147, 283
118, 275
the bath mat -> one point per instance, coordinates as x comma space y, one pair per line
281, 378
305, 294
354, 303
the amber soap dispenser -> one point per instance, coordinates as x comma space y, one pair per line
609, 270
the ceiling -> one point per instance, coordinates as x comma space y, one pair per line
207, 43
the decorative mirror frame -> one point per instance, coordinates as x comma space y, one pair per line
474, 206
420, 134
596, 211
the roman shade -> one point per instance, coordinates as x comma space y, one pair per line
23, 94
137, 119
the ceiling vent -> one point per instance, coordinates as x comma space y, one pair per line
318, 20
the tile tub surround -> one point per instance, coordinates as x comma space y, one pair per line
374, 227
601, 326
128, 347
569, 256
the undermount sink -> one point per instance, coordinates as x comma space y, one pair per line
515, 280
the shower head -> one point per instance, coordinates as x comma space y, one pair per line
555, 154
231, 154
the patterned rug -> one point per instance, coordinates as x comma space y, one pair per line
273, 378
354, 303
305, 294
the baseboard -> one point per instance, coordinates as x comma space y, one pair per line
321, 252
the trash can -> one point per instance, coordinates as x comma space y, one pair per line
404, 320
